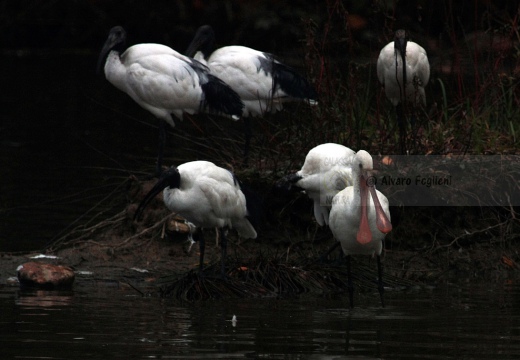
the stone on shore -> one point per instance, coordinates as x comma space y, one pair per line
45, 275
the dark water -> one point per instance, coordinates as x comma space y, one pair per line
98, 321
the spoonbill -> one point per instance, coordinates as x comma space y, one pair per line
207, 196
325, 172
403, 70
165, 82
262, 82
358, 223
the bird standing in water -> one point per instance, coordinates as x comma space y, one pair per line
360, 222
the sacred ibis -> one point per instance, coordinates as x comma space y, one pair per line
165, 82
207, 196
358, 221
404, 71
262, 82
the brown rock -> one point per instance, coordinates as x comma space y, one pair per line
177, 224
45, 275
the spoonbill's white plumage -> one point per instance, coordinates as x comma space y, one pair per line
165, 82
403, 70
358, 221
207, 196
262, 82
325, 172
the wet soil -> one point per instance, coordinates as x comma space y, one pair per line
143, 254
145, 263
427, 246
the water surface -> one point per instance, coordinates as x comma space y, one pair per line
449, 322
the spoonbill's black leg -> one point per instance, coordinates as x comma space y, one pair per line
350, 287
380, 280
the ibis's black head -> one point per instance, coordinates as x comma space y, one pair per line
168, 179
400, 41
287, 185
203, 41
116, 41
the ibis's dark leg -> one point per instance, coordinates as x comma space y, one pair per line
413, 120
202, 247
162, 141
223, 248
415, 129
247, 137
380, 280
350, 287
401, 123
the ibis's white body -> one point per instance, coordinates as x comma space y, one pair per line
242, 69
390, 73
209, 196
262, 82
158, 78
325, 172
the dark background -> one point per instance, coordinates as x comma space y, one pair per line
276, 26
68, 138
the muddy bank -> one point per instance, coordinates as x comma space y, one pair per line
428, 246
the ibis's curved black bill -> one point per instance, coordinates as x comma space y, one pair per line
169, 178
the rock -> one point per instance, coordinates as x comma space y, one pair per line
177, 224
45, 275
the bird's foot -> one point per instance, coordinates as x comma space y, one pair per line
188, 245
190, 241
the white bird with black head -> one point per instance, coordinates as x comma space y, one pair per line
358, 221
165, 82
207, 196
263, 83
403, 70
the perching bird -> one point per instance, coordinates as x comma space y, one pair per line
165, 82
262, 82
325, 172
207, 196
402, 62
359, 223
